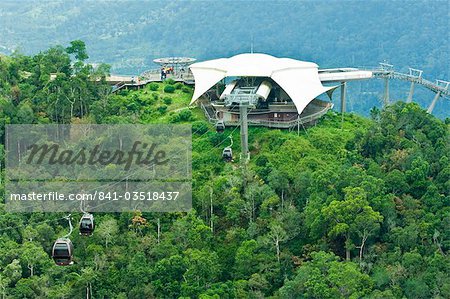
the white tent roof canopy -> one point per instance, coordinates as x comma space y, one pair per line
300, 79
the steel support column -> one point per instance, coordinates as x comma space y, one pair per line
386, 92
411, 93
343, 94
244, 131
433, 103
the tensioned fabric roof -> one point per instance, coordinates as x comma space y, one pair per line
299, 79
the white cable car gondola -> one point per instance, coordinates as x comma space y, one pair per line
227, 154
62, 252
87, 225
220, 126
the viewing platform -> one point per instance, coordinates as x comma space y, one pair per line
177, 69
137, 82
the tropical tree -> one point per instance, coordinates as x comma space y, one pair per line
350, 217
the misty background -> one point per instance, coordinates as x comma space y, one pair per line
128, 35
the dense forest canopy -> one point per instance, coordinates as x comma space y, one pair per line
359, 209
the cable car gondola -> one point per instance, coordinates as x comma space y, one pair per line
220, 126
227, 154
87, 224
62, 252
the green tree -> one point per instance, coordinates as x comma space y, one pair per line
78, 48
108, 230
168, 276
33, 255
13, 271
246, 260
352, 216
275, 237
169, 89
278, 180
326, 277
202, 269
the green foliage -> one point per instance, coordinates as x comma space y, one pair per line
155, 97
199, 127
78, 48
351, 216
153, 86
246, 259
182, 116
186, 89
169, 89
325, 277
167, 100
202, 269
169, 81
162, 109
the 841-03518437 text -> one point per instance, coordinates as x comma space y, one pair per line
165, 195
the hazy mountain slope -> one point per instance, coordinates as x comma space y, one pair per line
129, 34
331, 33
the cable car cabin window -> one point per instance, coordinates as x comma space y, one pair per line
86, 223
220, 126
61, 250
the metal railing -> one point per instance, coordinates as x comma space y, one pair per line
414, 75
155, 75
384, 70
243, 99
149, 79
285, 124
211, 118
118, 86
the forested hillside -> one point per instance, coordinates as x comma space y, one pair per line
359, 211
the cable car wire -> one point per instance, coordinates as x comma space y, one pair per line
111, 184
